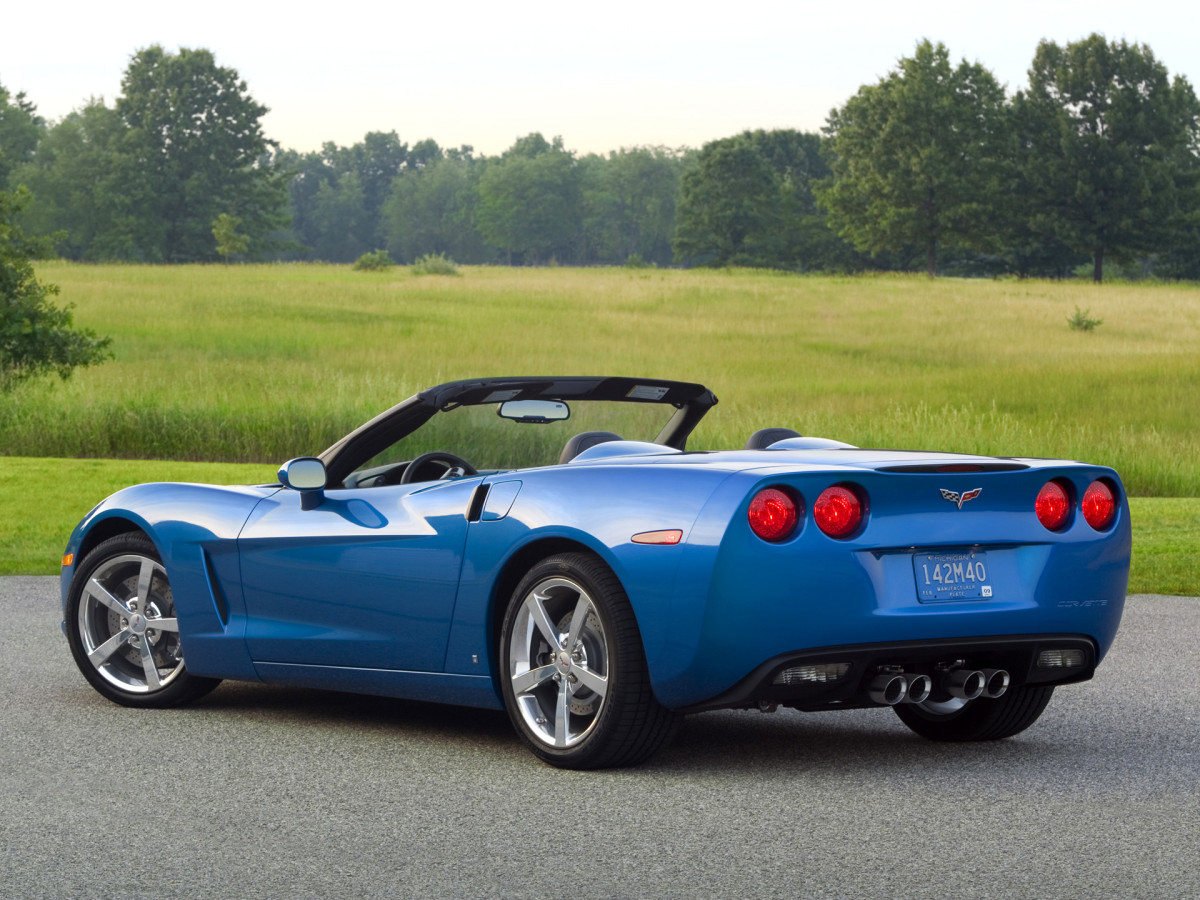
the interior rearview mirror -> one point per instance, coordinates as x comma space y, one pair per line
538, 411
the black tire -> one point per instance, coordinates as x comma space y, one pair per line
981, 719
579, 696
119, 592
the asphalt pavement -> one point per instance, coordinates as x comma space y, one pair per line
268, 792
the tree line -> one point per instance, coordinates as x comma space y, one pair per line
934, 167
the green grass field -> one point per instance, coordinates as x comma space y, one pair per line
262, 363
258, 363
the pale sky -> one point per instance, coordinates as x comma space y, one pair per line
603, 75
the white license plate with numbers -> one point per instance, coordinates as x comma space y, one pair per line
952, 575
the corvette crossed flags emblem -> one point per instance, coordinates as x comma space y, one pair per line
960, 499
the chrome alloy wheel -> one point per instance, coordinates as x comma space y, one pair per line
558, 662
127, 624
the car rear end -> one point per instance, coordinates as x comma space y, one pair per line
894, 578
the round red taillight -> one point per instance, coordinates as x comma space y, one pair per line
1099, 505
838, 511
773, 514
1052, 505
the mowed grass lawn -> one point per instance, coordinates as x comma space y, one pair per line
261, 363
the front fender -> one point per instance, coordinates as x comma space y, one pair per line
194, 528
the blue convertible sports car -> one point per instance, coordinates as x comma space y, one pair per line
599, 587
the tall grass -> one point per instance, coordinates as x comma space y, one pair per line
261, 363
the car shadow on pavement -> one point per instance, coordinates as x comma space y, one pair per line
318, 707
873, 740
719, 742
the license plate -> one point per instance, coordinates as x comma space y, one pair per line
953, 575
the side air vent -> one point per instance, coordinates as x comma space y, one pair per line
215, 586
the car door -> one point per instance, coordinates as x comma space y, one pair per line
367, 579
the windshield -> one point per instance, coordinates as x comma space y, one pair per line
490, 443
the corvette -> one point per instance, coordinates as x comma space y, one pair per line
551, 547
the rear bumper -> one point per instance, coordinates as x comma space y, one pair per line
1017, 654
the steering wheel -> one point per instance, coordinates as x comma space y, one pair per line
449, 460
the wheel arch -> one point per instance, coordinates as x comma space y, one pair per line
98, 531
108, 528
514, 569
624, 723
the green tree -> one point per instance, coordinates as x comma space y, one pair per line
78, 180
1180, 257
1112, 150
36, 337
424, 153
749, 200
341, 218
431, 210
305, 174
729, 207
324, 185
917, 158
373, 162
20, 130
230, 241
529, 200
1032, 233
196, 137
629, 200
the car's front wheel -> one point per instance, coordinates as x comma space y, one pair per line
981, 719
573, 672
123, 629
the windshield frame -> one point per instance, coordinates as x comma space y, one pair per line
691, 402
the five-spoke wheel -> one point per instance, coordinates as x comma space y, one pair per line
574, 675
123, 630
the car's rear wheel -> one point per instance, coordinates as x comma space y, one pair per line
573, 672
123, 630
981, 719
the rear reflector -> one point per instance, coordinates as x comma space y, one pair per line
822, 674
1060, 659
671, 536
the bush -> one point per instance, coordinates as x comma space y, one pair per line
36, 337
635, 261
435, 264
1081, 322
375, 261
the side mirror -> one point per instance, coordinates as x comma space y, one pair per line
306, 475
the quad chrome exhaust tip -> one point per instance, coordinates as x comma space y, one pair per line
995, 682
964, 684
890, 688
967, 684
919, 688
893, 686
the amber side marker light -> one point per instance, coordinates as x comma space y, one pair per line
68, 559
671, 536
